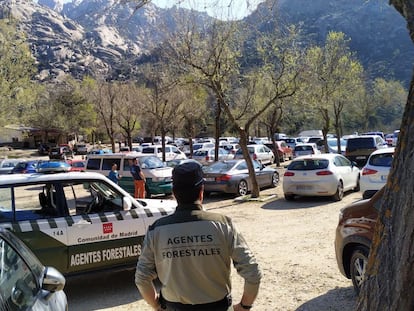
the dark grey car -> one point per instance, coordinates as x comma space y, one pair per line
232, 176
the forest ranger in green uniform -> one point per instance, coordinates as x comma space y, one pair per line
191, 252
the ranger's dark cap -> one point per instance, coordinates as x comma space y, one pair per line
188, 174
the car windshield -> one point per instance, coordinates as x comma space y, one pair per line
333, 142
308, 164
197, 146
381, 159
303, 148
200, 153
151, 162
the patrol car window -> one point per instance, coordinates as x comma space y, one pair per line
92, 197
32, 202
18, 284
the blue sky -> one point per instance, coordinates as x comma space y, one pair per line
228, 9
225, 9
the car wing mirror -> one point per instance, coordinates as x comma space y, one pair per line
53, 280
126, 203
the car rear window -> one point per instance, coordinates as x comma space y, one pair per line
148, 150
360, 143
308, 164
218, 167
303, 148
382, 159
200, 153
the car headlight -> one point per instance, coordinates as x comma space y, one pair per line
341, 215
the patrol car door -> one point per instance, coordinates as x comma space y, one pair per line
36, 212
101, 234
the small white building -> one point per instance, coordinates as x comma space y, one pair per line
16, 135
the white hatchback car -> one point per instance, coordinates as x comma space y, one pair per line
171, 152
258, 152
375, 173
326, 174
305, 149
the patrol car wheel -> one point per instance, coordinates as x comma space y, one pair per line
242, 188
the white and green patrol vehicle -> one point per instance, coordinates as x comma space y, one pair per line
78, 221
158, 175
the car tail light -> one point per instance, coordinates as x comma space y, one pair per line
254, 156
367, 171
223, 178
288, 174
324, 173
207, 158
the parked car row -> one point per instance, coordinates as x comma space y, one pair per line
22, 166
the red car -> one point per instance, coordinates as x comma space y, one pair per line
354, 235
284, 151
77, 165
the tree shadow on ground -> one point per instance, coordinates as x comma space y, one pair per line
338, 299
297, 203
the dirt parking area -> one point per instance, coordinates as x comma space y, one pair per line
293, 242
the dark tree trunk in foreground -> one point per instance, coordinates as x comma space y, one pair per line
390, 277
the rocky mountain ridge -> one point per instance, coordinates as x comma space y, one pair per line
103, 38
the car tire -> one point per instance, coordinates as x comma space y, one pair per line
147, 193
358, 185
358, 265
242, 188
289, 197
275, 180
339, 192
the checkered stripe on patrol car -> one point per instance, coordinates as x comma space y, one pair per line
53, 223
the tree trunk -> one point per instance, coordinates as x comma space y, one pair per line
255, 191
390, 278
217, 130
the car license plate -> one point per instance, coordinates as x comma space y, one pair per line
210, 179
302, 187
361, 157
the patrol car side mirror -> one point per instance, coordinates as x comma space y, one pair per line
127, 204
53, 280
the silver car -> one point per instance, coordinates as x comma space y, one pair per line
258, 152
25, 283
232, 176
207, 156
